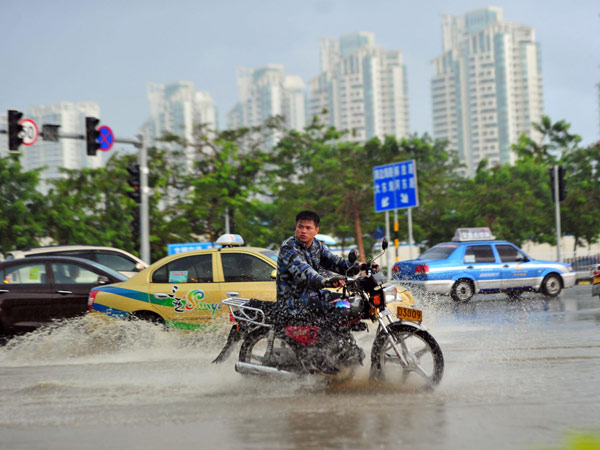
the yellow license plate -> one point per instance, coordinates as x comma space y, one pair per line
414, 315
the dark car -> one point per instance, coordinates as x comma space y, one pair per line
36, 291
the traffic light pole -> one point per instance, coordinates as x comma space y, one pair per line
144, 210
557, 213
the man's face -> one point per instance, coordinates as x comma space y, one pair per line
306, 231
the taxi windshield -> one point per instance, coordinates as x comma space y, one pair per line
441, 251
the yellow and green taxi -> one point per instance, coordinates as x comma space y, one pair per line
185, 290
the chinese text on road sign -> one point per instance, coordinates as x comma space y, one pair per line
395, 186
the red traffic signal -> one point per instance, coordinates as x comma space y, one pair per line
134, 182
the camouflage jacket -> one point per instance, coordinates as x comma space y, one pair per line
300, 271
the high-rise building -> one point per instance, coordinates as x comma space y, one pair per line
176, 108
362, 88
266, 92
67, 153
487, 86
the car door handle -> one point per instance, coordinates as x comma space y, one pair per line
64, 292
161, 295
3, 291
505, 266
232, 294
470, 267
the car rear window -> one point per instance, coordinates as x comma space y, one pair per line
26, 273
479, 254
441, 251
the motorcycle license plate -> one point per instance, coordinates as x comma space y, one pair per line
414, 315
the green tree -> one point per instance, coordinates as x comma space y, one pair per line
441, 208
580, 212
513, 201
224, 180
554, 140
23, 208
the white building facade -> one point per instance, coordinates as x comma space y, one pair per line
362, 88
487, 87
176, 108
266, 92
67, 153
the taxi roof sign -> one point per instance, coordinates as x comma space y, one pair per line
230, 240
473, 234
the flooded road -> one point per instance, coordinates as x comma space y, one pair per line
518, 375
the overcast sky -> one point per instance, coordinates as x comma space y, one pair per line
106, 51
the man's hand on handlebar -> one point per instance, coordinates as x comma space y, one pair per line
369, 266
334, 282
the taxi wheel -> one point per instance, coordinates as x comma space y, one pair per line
462, 291
149, 317
551, 286
514, 295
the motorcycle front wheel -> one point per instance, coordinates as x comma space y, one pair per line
420, 364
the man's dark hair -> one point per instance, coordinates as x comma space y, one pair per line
308, 215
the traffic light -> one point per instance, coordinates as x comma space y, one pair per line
91, 135
15, 136
134, 182
562, 183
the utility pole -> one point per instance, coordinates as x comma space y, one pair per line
557, 213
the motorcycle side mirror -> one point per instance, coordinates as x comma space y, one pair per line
353, 256
384, 244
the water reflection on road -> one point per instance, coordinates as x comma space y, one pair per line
518, 374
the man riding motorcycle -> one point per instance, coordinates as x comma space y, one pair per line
300, 282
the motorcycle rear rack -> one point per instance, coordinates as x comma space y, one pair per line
240, 311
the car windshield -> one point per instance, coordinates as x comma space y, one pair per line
441, 251
108, 270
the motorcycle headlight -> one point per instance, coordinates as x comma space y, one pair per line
390, 293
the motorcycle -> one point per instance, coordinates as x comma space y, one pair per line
403, 351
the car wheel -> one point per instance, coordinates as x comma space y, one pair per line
551, 286
148, 317
462, 291
514, 294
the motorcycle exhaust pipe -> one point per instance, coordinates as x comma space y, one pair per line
255, 369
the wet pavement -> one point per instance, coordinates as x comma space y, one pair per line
518, 375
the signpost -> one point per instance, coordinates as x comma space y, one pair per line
106, 139
395, 187
30, 132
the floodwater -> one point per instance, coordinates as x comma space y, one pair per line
518, 375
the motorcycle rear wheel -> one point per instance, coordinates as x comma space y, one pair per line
255, 350
423, 364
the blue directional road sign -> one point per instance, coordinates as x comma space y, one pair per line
106, 138
173, 249
395, 186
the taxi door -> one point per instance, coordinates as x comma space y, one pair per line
482, 266
517, 270
246, 275
185, 291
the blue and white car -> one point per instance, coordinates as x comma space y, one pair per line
475, 263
